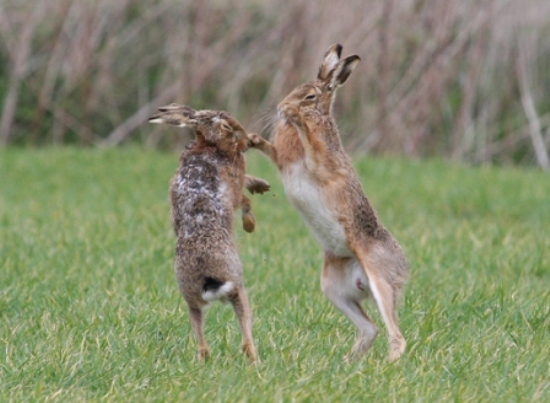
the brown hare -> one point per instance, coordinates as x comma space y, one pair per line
205, 191
362, 259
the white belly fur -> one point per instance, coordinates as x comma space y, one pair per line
306, 196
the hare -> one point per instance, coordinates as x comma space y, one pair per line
205, 191
361, 258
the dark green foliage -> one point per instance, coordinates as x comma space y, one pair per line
435, 79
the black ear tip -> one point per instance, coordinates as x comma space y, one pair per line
173, 106
336, 47
166, 108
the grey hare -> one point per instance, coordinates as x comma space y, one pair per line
205, 191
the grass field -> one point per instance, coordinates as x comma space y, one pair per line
90, 310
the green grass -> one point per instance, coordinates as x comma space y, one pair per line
90, 310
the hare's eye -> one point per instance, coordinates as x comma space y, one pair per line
226, 127
310, 97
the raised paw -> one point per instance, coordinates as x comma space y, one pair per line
293, 115
249, 222
258, 186
255, 140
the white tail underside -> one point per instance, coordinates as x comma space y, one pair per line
221, 292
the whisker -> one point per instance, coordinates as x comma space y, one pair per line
265, 120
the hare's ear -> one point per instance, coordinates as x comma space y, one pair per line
176, 115
182, 109
343, 70
330, 61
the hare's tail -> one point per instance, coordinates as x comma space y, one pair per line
214, 289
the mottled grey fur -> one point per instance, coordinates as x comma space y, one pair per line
205, 191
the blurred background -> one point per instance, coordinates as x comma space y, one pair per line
467, 80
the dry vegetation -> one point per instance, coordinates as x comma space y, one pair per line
462, 78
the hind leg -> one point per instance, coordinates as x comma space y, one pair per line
196, 316
249, 222
385, 295
244, 315
338, 285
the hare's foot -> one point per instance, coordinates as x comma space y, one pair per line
250, 351
260, 186
204, 353
397, 347
249, 222
255, 140
361, 346
293, 115
256, 185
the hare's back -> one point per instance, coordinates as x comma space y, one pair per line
199, 198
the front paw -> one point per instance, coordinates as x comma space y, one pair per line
249, 222
255, 140
293, 115
259, 186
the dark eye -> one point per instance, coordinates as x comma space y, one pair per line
310, 97
226, 127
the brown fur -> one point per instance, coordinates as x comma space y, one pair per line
205, 191
323, 185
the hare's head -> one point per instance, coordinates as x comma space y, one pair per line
317, 96
215, 128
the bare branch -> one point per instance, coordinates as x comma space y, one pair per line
20, 61
535, 127
124, 130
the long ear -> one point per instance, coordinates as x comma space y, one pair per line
176, 115
183, 109
330, 61
343, 70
